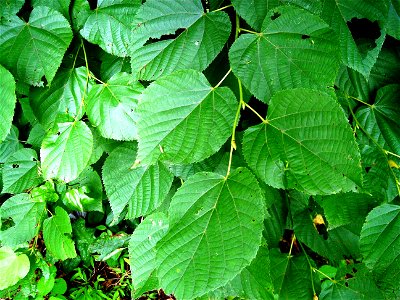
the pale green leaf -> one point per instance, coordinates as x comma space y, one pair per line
8, 99
66, 150
254, 12
380, 244
110, 25
171, 111
294, 49
338, 12
254, 282
142, 251
10, 8
61, 6
35, 49
20, 171
65, 95
111, 107
195, 48
57, 235
27, 216
139, 188
10, 144
12, 267
215, 226
291, 276
107, 246
306, 143
381, 120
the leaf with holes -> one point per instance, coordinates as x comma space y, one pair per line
35, 49
294, 49
206, 203
305, 143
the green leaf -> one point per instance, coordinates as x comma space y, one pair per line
380, 120
294, 49
66, 150
110, 25
170, 112
195, 48
83, 237
10, 8
57, 235
141, 189
35, 49
254, 12
7, 94
306, 143
111, 107
12, 267
111, 65
254, 282
27, 215
61, 6
65, 95
142, 251
10, 144
107, 245
292, 276
20, 171
210, 257
393, 20
379, 244
338, 12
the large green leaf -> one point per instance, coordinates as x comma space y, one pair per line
195, 48
292, 276
141, 189
65, 95
254, 282
380, 244
305, 143
381, 120
59, 5
111, 107
110, 25
12, 267
170, 112
254, 12
338, 12
20, 171
215, 226
10, 8
27, 216
294, 49
66, 150
7, 96
142, 251
56, 234
35, 49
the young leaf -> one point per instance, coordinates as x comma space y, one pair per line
7, 94
170, 112
66, 150
20, 171
141, 188
306, 143
35, 49
254, 12
142, 251
111, 107
380, 244
110, 25
381, 120
12, 267
339, 13
65, 95
56, 235
294, 49
27, 216
215, 225
195, 48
